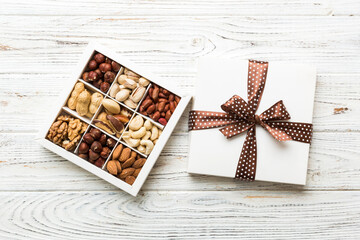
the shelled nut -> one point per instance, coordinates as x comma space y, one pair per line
101, 71
66, 132
159, 104
96, 147
141, 135
125, 164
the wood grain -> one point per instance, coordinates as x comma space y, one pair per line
140, 8
180, 215
48, 44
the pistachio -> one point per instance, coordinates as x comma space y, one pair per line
130, 103
137, 94
143, 82
114, 90
122, 95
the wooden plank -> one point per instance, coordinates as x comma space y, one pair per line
48, 44
140, 8
179, 215
336, 102
25, 165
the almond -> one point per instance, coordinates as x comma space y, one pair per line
139, 163
130, 180
136, 172
128, 163
118, 166
111, 167
127, 172
133, 154
125, 154
117, 151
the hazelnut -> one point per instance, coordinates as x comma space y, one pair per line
96, 147
92, 65
110, 142
88, 138
83, 156
99, 73
99, 58
93, 155
105, 152
115, 66
104, 87
104, 67
109, 77
102, 140
83, 148
85, 76
95, 133
93, 76
100, 162
97, 83
108, 60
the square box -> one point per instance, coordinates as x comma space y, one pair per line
88, 111
211, 153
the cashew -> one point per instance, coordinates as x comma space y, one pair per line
139, 133
149, 146
144, 82
136, 123
130, 141
122, 95
148, 125
146, 136
154, 133
155, 141
114, 90
141, 149
160, 132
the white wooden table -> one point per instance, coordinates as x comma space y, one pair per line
46, 197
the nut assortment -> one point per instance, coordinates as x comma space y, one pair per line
125, 164
112, 119
159, 104
66, 132
101, 72
129, 88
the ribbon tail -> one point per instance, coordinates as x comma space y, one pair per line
199, 120
285, 131
246, 169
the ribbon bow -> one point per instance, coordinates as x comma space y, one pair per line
240, 116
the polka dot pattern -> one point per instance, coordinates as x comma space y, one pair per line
240, 116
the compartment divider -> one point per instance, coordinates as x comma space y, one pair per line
122, 68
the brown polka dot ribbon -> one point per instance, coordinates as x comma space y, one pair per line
239, 116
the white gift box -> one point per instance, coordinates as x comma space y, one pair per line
211, 153
61, 107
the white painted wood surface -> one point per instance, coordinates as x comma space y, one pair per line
43, 196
